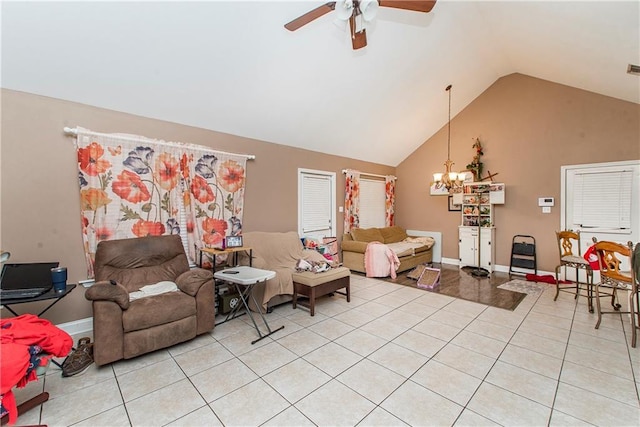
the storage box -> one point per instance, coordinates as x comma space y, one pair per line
228, 302
429, 279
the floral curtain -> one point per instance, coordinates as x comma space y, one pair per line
132, 186
389, 200
351, 200
214, 202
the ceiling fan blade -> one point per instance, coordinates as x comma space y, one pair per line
310, 16
415, 5
359, 39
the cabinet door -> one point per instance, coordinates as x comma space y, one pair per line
467, 247
485, 250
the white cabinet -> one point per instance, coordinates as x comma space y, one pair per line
478, 200
469, 246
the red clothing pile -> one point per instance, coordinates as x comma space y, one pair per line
17, 334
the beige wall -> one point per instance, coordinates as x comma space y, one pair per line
40, 218
529, 129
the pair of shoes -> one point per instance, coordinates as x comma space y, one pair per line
80, 359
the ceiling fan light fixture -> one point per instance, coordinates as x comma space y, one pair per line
364, 10
344, 9
369, 9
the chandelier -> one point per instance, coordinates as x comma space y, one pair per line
452, 181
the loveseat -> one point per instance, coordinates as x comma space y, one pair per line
410, 250
126, 327
279, 252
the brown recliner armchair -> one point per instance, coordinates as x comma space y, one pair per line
123, 329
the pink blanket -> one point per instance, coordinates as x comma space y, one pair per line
380, 261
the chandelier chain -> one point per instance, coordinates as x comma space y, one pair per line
449, 126
449, 179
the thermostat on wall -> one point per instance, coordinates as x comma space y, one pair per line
545, 201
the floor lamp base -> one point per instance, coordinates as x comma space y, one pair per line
479, 272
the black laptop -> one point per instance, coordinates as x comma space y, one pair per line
26, 280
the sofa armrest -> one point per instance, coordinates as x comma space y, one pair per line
354, 246
106, 291
191, 281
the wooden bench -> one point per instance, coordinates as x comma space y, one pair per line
314, 285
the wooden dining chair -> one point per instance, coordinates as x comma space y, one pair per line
570, 257
634, 296
611, 257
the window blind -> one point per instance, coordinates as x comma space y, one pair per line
316, 203
372, 203
603, 199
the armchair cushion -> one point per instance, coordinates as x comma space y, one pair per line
158, 310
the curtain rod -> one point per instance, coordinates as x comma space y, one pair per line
372, 174
74, 131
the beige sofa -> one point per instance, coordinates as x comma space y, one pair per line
278, 252
354, 246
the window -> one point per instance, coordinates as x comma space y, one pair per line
316, 203
602, 199
372, 203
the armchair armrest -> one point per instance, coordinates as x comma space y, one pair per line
105, 291
191, 281
354, 246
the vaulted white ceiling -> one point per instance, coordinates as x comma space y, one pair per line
231, 66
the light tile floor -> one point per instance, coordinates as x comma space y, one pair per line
393, 356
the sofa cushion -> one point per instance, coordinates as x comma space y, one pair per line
158, 310
393, 234
367, 235
309, 278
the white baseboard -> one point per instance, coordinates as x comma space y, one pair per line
500, 268
451, 261
77, 327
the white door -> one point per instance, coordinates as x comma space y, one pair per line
316, 203
601, 200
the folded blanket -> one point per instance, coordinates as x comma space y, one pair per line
404, 248
380, 260
155, 289
545, 278
424, 240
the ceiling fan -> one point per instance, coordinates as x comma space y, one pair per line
357, 12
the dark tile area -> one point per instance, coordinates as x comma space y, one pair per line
460, 283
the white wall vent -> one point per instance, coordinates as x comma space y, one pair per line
633, 69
